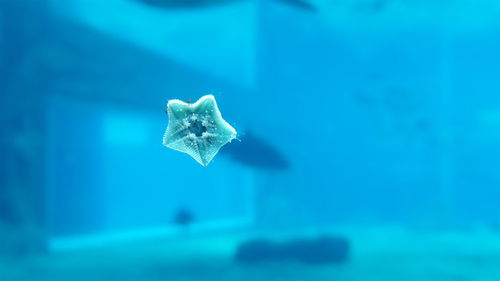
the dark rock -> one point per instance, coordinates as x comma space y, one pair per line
322, 250
256, 251
325, 249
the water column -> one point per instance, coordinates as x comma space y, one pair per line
444, 120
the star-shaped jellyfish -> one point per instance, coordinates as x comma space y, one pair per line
197, 129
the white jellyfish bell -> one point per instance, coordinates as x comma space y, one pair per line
197, 129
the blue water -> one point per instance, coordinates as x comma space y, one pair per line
377, 121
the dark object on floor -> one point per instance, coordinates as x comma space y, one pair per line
322, 250
183, 4
183, 217
257, 250
300, 4
255, 152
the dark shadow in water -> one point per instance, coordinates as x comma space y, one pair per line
256, 152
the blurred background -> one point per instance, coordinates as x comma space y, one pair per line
370, 140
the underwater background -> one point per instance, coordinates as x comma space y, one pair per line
368, 140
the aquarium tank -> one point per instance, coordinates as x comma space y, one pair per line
349, 140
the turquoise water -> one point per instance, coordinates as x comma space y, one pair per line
375, 122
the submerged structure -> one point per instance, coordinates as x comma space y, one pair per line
197, 129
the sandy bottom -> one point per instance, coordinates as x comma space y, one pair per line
382, 253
